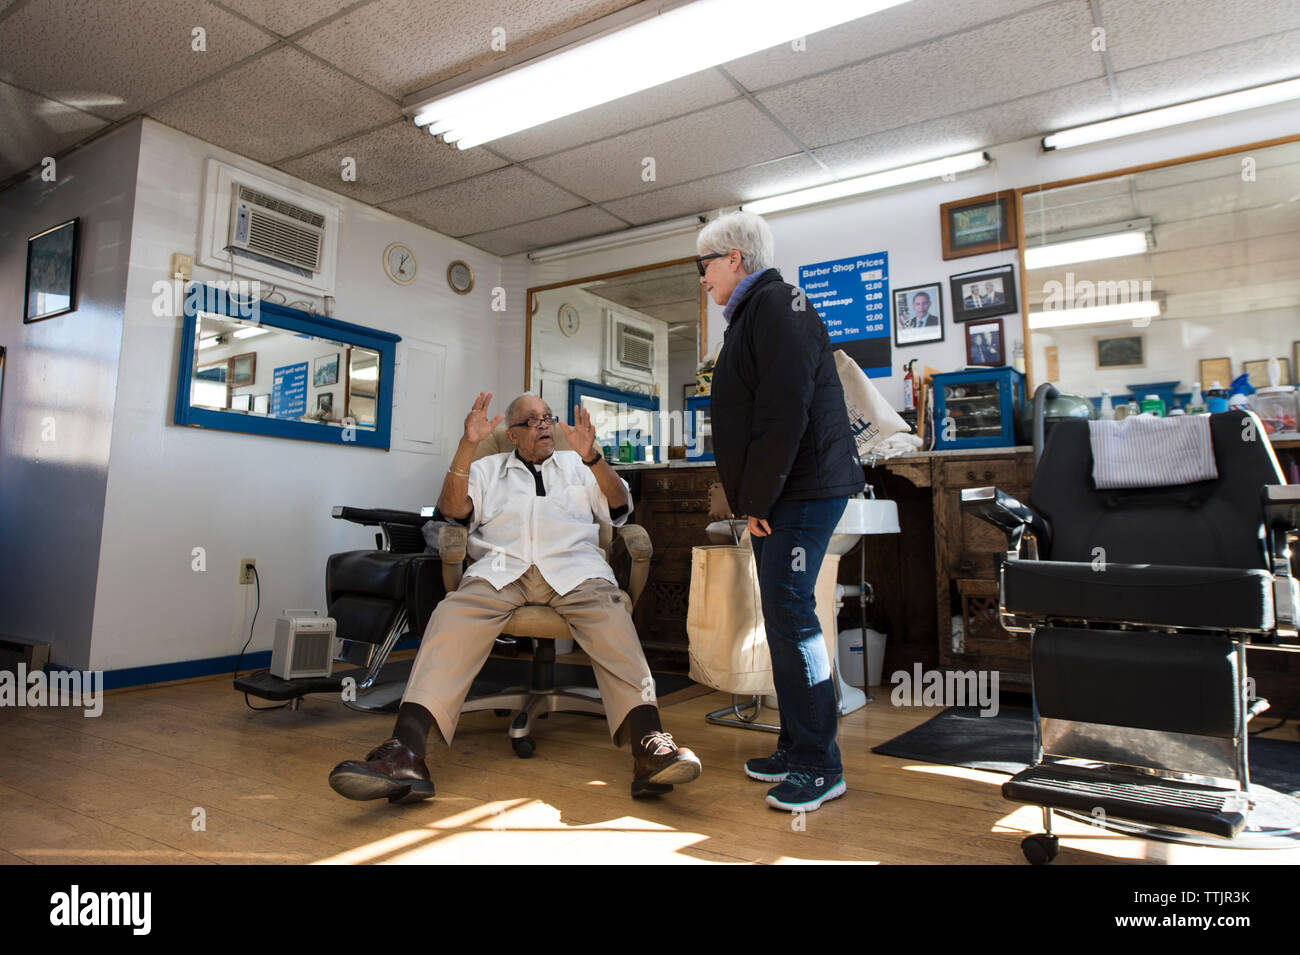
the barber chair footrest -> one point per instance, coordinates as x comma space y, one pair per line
1145, 799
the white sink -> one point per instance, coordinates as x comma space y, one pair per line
863, 517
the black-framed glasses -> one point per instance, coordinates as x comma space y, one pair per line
535, 422
701, 259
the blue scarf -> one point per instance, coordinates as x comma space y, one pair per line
745, 284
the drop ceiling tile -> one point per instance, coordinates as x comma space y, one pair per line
883, 32
395, 160
485, 203
401, 46
281, 104
722, 137
286, 17
1034, 52
1221, 70
1157, 30
714, 192
650, 106
552, 230
976, 129
35, 127
113, 59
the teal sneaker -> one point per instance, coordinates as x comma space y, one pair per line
803, 790
767, 769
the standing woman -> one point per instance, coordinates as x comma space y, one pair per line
787, 461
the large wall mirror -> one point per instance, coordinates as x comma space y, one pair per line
631, 341
1156, 278
263, 368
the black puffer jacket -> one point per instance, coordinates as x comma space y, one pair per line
780, 428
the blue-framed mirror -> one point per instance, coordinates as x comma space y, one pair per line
626, 423
254, 366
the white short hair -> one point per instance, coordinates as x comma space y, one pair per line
743, 231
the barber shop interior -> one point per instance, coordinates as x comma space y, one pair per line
656, 432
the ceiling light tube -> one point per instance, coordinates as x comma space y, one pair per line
1096, 315
251, 332
872, 183
649, 53
1174, 115
1086, 250
613, 240
207, 342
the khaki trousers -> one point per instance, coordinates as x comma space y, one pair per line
464, 625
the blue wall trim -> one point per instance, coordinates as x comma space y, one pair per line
189, 669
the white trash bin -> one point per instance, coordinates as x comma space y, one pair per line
851, 658
875, 655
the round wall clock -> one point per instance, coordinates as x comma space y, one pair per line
570, 320
400, 264
460, 277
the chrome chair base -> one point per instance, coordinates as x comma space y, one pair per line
739, 720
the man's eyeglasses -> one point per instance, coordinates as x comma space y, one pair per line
701, 259
535, 422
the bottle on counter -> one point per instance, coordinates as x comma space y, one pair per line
1197, 403
1154, 405
1107, 409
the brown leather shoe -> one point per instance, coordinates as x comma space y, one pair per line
659, 763
391, 769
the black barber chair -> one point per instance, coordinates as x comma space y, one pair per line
376, 597
1141, 604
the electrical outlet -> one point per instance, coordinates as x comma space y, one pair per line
246, 565
182, 266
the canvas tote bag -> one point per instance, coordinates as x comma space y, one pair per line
871, 418
724, 621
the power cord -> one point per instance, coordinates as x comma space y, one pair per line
240, 659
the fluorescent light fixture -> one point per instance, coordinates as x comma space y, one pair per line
613, 240
871, 183
368, 373
207, 342
1174, 115
1096, 315
251, 332
648, 53
1086, 250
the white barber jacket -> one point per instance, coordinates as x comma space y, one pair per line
512, 526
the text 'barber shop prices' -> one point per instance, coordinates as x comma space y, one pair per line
852, 297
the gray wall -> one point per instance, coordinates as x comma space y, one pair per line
61, 374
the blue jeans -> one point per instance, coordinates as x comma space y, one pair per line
788, 560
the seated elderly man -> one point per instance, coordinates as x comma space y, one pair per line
531, 517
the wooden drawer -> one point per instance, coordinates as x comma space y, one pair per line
681, 485
977, 473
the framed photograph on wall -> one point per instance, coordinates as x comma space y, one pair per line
51, 272
325, 403
984, 343
325, 371
1215, 369
918, 314
241, 403
262, 403
1121, 351
243, 368
1258, 371
979, 225
983, 293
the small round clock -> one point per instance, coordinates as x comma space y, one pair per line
460, 277
570, 320
400, 264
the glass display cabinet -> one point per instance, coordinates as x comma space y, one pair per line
977, 408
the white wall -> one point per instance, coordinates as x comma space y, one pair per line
173, 489
905, 223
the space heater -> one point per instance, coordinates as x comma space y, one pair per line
304, 645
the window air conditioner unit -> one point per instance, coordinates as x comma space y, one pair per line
304, 645
275, 231
631, 351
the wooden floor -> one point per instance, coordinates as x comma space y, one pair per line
131, 785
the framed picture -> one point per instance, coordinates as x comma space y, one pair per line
918, 314
243, 368
325, 403
1295, 363
979, 225
241, 402
51, 272
984, 343
983, 293
1258, 371
262, 404
1215, 369
1121, 351
214, 372
325, 371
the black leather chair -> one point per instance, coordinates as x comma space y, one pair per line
1141, 604
376, 597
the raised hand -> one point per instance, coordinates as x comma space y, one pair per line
477, 426
582, 435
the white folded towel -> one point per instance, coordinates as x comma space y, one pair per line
1146, 451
